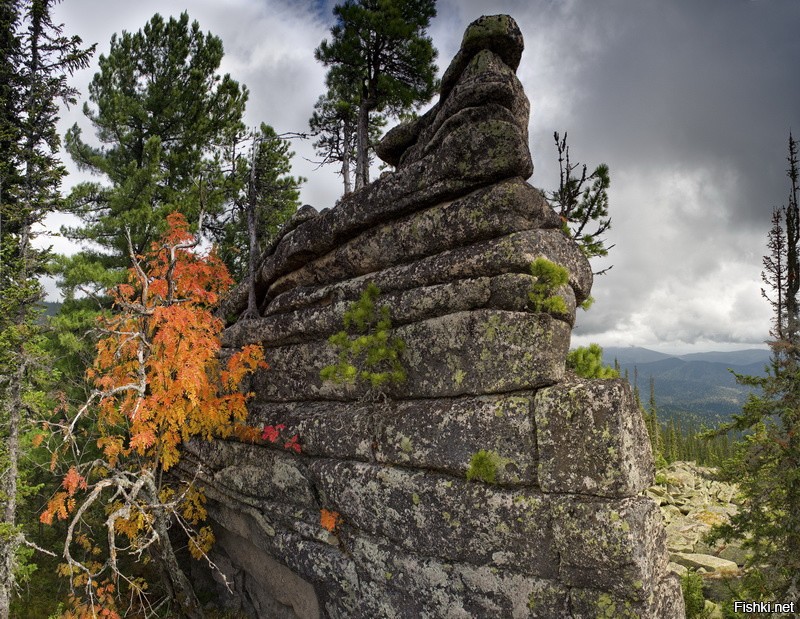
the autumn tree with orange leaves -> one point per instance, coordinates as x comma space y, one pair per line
158, 383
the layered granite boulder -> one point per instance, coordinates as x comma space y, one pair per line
489, 482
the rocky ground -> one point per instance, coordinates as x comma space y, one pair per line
691, 502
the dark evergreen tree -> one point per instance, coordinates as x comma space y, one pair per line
266, 198
334, 122
767, 461
582, 203
382, 48
35, 60
161, 114
774, 274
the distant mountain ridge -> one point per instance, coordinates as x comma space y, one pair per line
696, 383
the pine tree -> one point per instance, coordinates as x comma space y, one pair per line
582, 203
381, 46
36, 58
767, 461
161, 113
334, 121
267, 195
774, 274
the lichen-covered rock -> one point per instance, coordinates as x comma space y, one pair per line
497, 35
513, 253
441, 434
488, 483
483, 351
609, 459
452, 519
399, 584
616, 546
664, 601
501, 209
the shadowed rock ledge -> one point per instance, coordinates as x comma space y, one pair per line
562, 527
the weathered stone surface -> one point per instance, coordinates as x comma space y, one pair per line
444, 434
609, 460
255, 471
445, 517
438, 434
709, 563
505, 292
399, 584
270, 589
486, 82
331, 571
503, 208
483, 351
484, 146
498, 35
665, 601
509, 254
321, 321
616, 546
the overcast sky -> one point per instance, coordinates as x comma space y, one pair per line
688, 102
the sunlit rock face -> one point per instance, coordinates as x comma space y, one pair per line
376, 516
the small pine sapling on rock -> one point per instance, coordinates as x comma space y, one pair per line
587, 362
544, 292
371, 356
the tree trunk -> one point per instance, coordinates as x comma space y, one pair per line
362, 144
175, 581
8, 547
10, 539
252, 304
252, 233
347, 142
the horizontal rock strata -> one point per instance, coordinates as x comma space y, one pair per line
489, 482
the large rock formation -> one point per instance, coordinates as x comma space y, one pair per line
554, 522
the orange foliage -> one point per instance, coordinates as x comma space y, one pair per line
329, 519
160, 382
164, 348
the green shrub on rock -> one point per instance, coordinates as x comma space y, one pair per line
588, 362
549, 278
483, 466
372, 356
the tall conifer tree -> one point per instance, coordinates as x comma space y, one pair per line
381, 47
35, 59
767, 462
161, 113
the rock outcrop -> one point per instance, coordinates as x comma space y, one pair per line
375, 516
